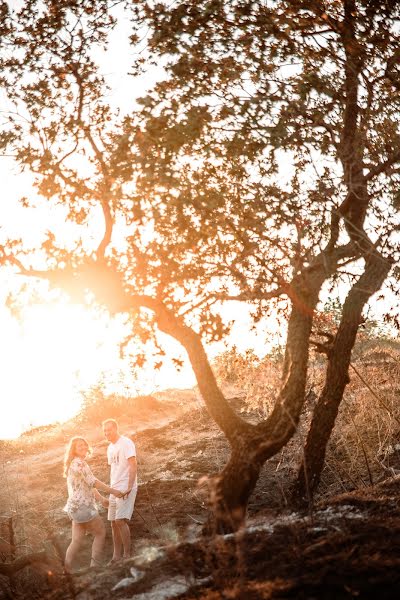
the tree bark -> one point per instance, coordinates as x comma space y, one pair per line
337, 377
229, 491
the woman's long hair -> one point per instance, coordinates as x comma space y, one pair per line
70, 452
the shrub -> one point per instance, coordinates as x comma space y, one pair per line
258, 379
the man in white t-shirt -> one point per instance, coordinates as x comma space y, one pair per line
121, 456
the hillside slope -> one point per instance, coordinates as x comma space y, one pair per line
346, 547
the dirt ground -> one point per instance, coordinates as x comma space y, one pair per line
348, 546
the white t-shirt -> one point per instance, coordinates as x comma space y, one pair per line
117, 457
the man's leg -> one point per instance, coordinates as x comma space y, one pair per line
125, 536
117, 541
123, 514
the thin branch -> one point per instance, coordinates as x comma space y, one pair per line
104, 201
105, 204
312, 33
208, 299
251, 295
65, 156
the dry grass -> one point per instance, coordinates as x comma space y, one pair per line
365, 444
257, 380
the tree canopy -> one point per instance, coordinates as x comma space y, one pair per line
261, 167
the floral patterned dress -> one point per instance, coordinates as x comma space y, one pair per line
81, 505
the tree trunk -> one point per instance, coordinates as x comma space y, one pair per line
252, 445
337, 377
230, 491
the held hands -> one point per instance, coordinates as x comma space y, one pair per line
126, 494
119, 494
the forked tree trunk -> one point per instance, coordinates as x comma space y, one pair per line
337, 377
231, 489
252, 445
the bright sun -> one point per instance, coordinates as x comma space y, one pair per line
51, 354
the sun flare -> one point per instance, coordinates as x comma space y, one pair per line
54, 352
51, 354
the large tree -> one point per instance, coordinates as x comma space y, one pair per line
261, 168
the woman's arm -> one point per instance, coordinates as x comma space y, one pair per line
99, 485
102, 499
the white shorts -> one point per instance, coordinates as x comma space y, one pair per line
118, 508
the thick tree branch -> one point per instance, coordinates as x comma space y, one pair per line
352, 144
250, 295
216, 403
384, 166
105, 199
339, 355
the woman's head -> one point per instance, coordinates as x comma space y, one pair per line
77, 447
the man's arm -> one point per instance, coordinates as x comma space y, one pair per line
132, 473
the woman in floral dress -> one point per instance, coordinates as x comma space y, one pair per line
81, 504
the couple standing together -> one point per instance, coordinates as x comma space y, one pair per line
83, 492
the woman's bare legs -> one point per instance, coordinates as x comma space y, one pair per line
78, 532
96, 527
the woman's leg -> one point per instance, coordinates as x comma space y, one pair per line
78, 531
96, 527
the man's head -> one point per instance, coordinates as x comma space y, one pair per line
110, 429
